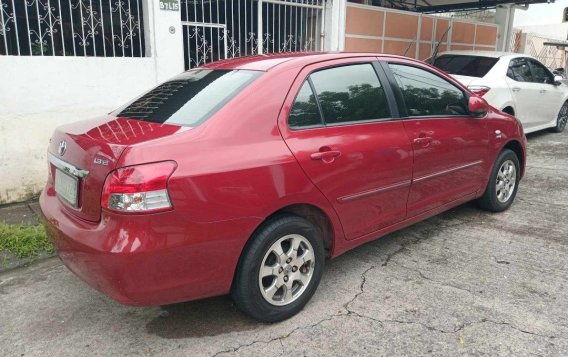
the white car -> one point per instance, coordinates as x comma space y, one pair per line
515, 83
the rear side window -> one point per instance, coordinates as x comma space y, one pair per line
350, 93
190, 98
304, 112
519, 70
472, 66
426, 94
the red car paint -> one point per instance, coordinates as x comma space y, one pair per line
244, 164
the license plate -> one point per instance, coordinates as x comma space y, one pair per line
66, 186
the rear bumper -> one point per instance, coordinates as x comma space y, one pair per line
151, 259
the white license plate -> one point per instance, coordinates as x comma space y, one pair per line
66, 186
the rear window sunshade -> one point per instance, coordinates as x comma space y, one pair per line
190, 98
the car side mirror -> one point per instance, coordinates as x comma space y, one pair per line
477, 106
558, 80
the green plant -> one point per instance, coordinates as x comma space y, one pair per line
24, 241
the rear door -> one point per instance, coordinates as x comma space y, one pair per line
339, 125
450, 146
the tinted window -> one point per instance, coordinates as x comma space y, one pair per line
190, 98
473, 66
426, 94
519, 70
305, 110
540, 73
350, 93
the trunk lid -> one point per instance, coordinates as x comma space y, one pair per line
83, 153
465, 80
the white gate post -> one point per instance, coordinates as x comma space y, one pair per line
335, 16
504, 17
166, 36
259, 29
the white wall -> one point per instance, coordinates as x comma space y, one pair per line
552, 31
37, 94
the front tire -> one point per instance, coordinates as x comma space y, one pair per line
561, 120
503, 183
279, 270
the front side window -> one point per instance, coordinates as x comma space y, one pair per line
350, 93
540, 73
519, 70
426, 94
190, 98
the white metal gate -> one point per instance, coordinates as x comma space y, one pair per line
218, 29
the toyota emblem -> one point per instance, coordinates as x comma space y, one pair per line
62, 147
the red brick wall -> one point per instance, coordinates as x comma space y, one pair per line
378, 29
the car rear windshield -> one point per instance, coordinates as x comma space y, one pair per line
190, 98
472, 66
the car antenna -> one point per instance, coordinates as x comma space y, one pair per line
408, 48
438, 45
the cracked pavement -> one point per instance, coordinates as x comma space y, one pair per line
465, 282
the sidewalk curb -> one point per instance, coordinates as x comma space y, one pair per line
27, 213
9, 261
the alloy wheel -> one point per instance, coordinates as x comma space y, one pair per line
286, 270
506, 181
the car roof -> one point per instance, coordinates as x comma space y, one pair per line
269, 61
493, 54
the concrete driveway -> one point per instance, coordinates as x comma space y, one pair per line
464, 282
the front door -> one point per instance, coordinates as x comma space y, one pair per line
450, 146
338, 124
525, 93
550, 95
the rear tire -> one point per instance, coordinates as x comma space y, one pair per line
561, 120
279, 270
503, 183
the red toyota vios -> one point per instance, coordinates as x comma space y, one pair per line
242, 176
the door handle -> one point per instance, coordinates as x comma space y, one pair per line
516, 89
543, 90
423, 140
326, 156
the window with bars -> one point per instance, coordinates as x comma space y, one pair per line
101, 28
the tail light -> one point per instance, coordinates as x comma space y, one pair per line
139, 188
479, 91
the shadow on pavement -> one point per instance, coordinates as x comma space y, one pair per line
209, 317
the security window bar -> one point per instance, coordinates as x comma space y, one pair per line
95, 28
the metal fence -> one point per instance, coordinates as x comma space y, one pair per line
102, 28
515, 41
550, 56
218, 29
473, 15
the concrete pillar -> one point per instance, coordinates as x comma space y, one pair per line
505, 17
335, 13
164, 40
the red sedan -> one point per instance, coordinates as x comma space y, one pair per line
243, 176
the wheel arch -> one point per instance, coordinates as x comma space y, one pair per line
509, 109
517, 148
314, 214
